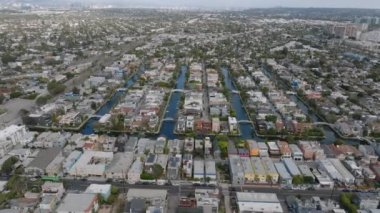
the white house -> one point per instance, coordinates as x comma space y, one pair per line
103, 189
91, 163
12, 136
232, 123
135, 172
21, 154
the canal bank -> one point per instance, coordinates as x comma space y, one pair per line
331, 134
168, 125
88, 128
246, 129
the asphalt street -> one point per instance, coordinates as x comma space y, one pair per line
81, 185
283, 193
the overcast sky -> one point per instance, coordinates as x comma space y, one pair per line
251, 3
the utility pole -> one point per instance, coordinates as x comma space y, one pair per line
124, 179
179, 190
332, 191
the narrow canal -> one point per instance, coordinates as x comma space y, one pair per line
88, 128
329, 134
246, 129
167, 127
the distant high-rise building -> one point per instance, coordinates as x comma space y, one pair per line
352, 31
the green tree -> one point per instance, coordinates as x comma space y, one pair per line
93, 105
271, 131
208, 179
16, 184
164, 84
300, 93
357, 116
42, 100
23, 112
146, 176
114, 194
222, 137
7, 166
339, 101
308, 180
264, 90
271, 118
290, 139
297, 180
285, 51
326, 93
345, 200
223, 146
157, 171
55, 87
2, 98
7, 57
338, 142
15, 94
69, 75
331, 118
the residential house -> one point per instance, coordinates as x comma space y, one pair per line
232, 123
284, 149
236, 170
119, 165
41, 162
259, 170
199, 169
13, 135
297, 154
210, 169
174, 164
135, 171
175, 146
291, 166
270, 170
284, 176
207, 199
85, 203
311, 150
160, 145
189, 145
273, 148
253, 148
263, 149
249, 174
367, 200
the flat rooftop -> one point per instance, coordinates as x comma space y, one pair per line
257, 197
146, 193
76, 202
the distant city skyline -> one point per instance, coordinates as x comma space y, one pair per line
216, 4
243, 3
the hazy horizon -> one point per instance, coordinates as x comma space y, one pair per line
259, 3
369, 4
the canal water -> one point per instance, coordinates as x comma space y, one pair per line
88, 128
167, 127
246, 129
329, 134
